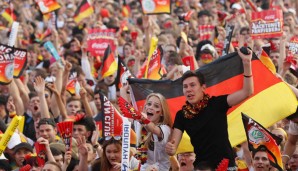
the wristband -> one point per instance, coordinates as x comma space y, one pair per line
12, 114
247, 76
144, 120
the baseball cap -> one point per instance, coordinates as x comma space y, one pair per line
61, 147
204, 13
47, 121
23, 145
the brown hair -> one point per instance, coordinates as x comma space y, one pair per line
105, 164
55, 164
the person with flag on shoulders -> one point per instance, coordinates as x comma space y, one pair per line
204, 118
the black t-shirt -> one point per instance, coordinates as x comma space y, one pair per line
29, 129
208, 132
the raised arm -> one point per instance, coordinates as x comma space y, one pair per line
14, 92
85, 101
24, 92
39, 86
248, 84
59, 101
58, 86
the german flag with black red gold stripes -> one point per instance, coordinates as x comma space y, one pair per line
109, 64
272, 100
83, 11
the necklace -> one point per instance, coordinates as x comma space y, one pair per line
190, 111
142, 149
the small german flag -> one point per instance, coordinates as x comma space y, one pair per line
122, 74
258, 136
109, 64
9, 15
125, 9
83, 11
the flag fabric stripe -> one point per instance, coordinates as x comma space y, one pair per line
265, 59
165, 86
83, 15
267, 107
271, 98
219, 72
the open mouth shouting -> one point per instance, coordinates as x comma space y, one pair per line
182, 164
35, 108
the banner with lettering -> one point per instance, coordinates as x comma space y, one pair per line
125, 165
47, 6
156, 6
112, 123
6, 64
266, 24
293, 45
20, 62
99, 39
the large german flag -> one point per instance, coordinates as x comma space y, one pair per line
272, 100
109, 64
83, 11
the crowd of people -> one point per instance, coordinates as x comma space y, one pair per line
41, 95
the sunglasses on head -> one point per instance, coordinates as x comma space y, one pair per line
107, 138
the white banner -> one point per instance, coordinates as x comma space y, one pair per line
125, 145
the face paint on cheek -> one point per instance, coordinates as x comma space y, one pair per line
157, 112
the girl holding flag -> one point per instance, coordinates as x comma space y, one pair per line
155, 130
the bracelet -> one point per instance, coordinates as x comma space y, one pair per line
247, 76
12, 114
287, 156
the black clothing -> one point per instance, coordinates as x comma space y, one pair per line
29, 129
208, 132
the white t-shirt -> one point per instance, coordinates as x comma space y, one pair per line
159, 157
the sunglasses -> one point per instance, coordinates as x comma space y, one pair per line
107, 138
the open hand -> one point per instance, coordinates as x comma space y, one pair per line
39, 85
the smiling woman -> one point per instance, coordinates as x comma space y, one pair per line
155, 134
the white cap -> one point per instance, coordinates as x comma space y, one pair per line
209, 47
236, 6
14, 140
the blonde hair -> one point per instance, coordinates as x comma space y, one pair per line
166, 119
283, 132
